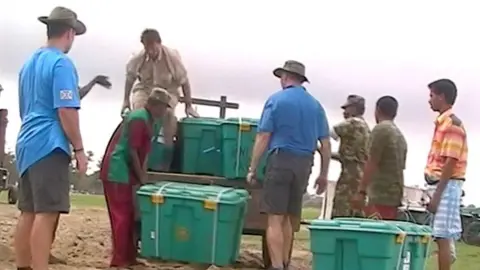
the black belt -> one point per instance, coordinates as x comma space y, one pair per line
431, 182
288, 151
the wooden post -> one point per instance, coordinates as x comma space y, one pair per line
222, 104
223, 107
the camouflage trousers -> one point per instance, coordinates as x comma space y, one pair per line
346, 188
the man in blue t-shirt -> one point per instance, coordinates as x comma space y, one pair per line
49, 103
292, 124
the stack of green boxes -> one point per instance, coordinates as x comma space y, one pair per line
364, 244
218, 147
191, 223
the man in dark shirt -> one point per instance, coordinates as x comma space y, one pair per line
382, 180
291, 125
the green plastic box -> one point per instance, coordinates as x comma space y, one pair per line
155, 157
238, 138
200, 145
192, 223
417, 243
156, 154
417, 247
357, 244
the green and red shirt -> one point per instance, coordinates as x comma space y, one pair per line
136, 132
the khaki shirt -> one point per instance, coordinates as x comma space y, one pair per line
157, 73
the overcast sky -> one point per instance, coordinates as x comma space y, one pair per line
371, 48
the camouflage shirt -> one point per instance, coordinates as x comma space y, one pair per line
389, 146
354, 134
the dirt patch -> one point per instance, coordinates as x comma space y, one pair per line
83, 241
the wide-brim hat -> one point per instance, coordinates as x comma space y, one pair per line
292, 67
67, 16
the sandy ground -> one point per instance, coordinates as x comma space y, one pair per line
83, 241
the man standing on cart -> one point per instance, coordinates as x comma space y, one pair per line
353, 134
158, 66
292, 123
124, 168
446, 167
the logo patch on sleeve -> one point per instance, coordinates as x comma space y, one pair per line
66, 94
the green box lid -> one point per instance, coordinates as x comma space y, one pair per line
408, 227
213, 193
412, 228
359, 225
241, 121
201, 120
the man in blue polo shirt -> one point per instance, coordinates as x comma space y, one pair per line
292, 124
49, 102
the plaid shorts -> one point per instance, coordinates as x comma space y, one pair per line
447, 222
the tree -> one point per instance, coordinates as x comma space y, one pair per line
9, 163
86, 183
81, 182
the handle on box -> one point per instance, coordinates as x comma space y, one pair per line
211, 149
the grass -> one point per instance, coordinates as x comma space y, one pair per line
468, 256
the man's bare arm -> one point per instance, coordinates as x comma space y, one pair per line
130, 80
325, 151
261, 142
187, 93
447, 173
376, 147
70, 122
86, 88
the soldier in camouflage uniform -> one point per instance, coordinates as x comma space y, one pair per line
382, 180
353, 134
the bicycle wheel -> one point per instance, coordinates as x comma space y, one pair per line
471, 235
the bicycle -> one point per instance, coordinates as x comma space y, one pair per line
416, 214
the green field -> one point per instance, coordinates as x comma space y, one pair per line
468, 256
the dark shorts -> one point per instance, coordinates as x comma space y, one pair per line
45, 186
286, 181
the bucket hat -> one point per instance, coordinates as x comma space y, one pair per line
67, 16
292, 66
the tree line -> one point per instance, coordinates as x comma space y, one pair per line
81, 183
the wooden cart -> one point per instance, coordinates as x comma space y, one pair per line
255, 222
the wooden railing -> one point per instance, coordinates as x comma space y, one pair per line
222, 104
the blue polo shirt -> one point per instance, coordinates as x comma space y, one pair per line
296, 121
47, 81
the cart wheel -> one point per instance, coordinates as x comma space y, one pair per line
472, 234
12, 195
267, 262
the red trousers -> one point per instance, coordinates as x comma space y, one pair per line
120, 204
383, 212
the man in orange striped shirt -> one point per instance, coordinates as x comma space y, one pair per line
446, 167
